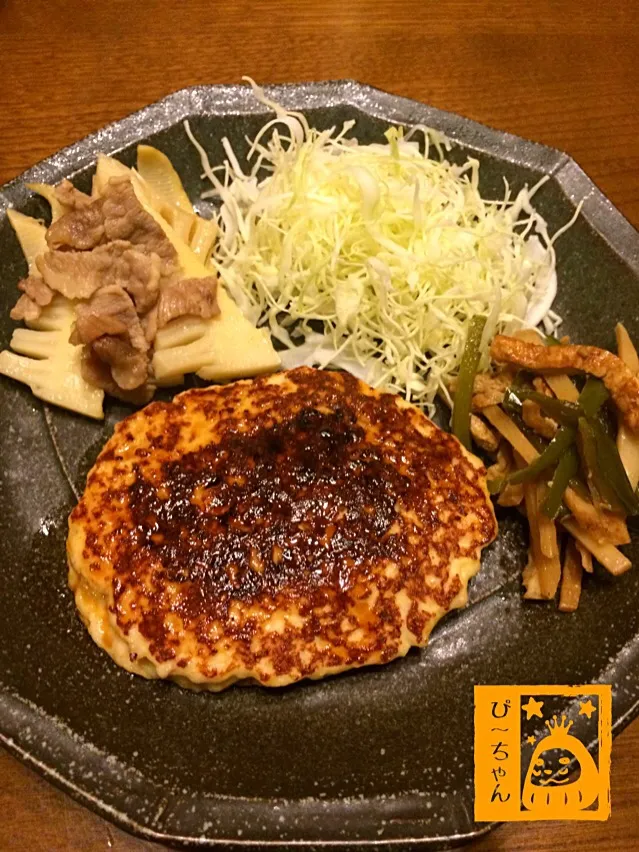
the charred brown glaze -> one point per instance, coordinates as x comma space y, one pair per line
280, 528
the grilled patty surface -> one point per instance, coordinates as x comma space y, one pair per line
280, 528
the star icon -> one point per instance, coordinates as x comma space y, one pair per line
587, 708
533, 708
530, 740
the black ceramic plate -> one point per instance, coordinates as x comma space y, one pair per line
373, 757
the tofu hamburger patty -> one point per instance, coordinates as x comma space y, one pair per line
286, 527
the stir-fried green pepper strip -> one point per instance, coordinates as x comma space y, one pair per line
539, 443
495, 486
512, 401
590, 401
564, 439
592, 397
552, 341
566, 469
611, 469
466, 380
588, 449
565, 412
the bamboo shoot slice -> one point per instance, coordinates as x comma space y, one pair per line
158, 172
44, 359
31, 235
47, 191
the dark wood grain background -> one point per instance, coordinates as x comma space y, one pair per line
562, 72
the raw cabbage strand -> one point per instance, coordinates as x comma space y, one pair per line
376, 257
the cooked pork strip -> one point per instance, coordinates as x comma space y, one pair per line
35, 296
36, 289
140, 275
79, 274
487, 390
82, 228
25, 309
129, 366
483, 435
110, 327
126, 219
98, 374
109, 311
188, 297
70, 197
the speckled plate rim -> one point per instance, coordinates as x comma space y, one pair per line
597, 210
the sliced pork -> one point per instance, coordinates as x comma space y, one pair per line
79, 274
189, 297
109, 311
25, 309
487, 390
112, 258
129, 366
36, 289
126, 219
140, 275
98, 374
82, 228
70, 197
35, 296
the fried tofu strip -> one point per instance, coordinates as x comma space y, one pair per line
534, 418
618, 378
529, 335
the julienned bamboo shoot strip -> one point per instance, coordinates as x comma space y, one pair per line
532, 575
586, 557
570, 590
607, 554
547, 528
511, 432
562, 387
607, 524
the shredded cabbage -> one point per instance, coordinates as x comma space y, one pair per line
374, 258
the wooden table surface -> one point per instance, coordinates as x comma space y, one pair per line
562, 72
